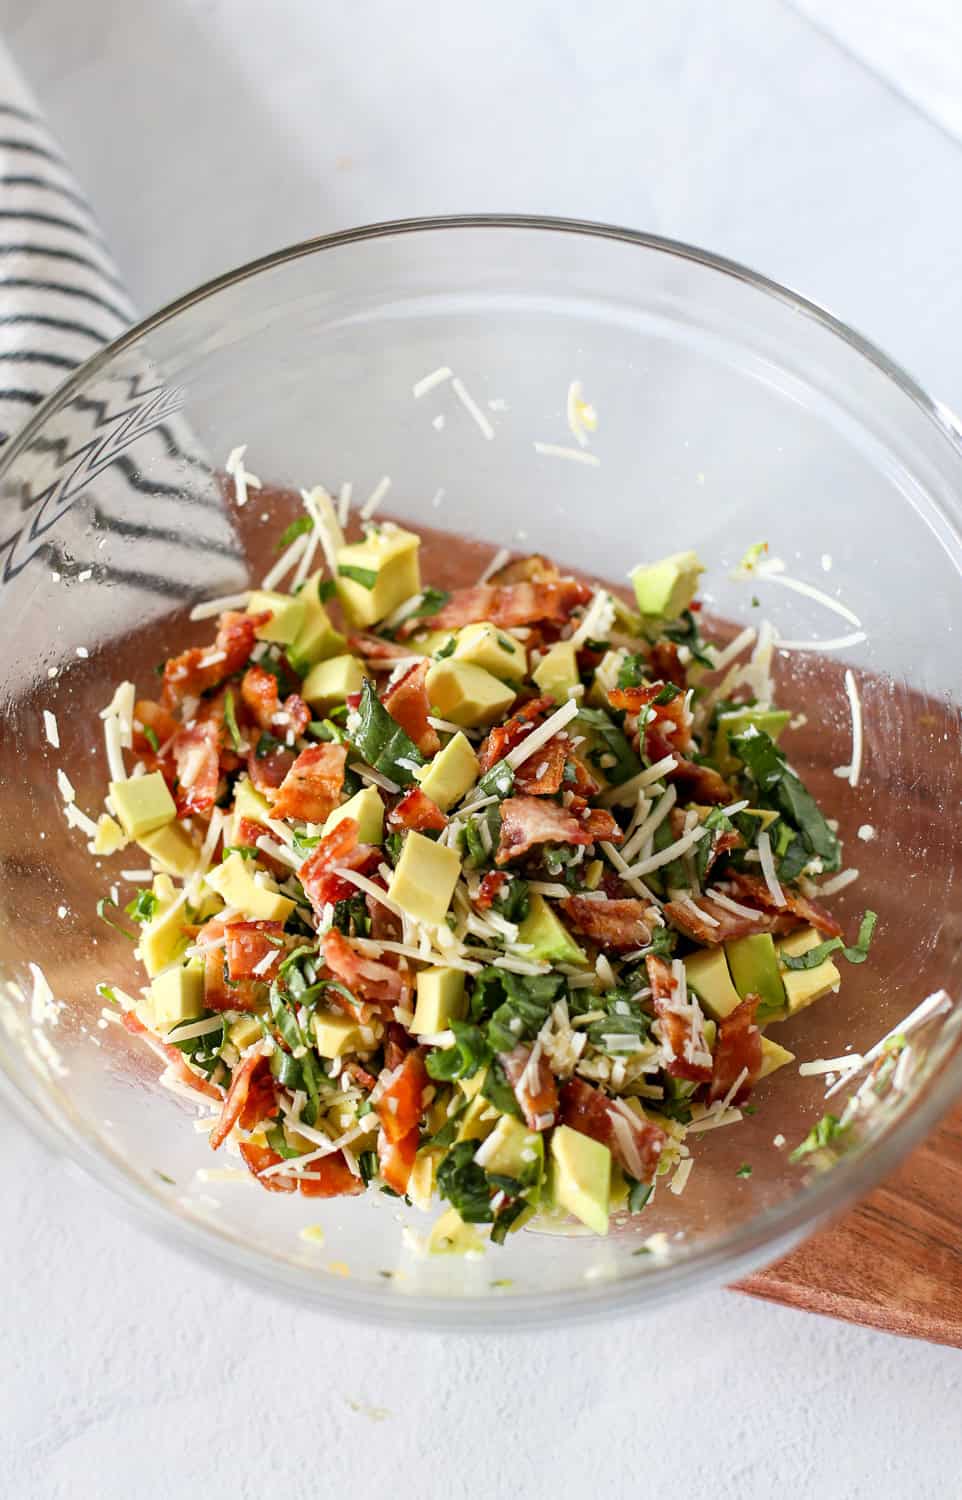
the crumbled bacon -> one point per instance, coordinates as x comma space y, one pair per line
268, 771
331, 1177
514, 604
257, 1159
338, 849
408, 704
196, 752
682, 1030
159, 720
397, 1045
396, 1158
699, 783
261, 697
666, 663
416, 810
375, 648
635, 1145
261, 1102
236, 1099
202, 667
531, 569
248, 944
365, 977
359, 1075
527, 821
176, 1060
690, 917
738, 1048
533, 1084
400, 1105
312, 787
619, 925
490, 888
634, 699
753, 890
541, 774
506, 736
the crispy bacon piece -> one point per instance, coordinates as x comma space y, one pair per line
364, 977
338, 849
533, 1085
682, 1031
236, 1099
196, 754
541, 774
666, 663
490, 888
176, 1060
636, 1144
267, 772
721, 843
375, 648
400, 1105
531, 569
257, 1159
416, 810
753, 890
312, 787
360, 1076
690, 917
261, 698
159, 720
527, 821
248, 944
618, 925
397, 1045
699, 783
738, 1046
408, 704
396, 1158
634, 699
505, 736
514, 604
202, 667
261, 1103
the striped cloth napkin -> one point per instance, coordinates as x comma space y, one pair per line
119, 490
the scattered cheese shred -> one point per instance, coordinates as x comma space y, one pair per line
542, 734
573, 455
213, 607
472, 407
430, 382
768, 868
51, 729
854, 769
376, 496
243, 478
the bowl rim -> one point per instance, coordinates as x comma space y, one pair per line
761, 1240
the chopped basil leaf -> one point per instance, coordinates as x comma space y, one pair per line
513, 900
202, 1051
366, 577
277, 1141
432, 600
744, 1170
821, 1135
298, 527
669, 692
380, 740
607, 739
498, 781
244, 850
716, 823
857, 954
368, 1167
498, 1091
685, 632
506, 642
102, 905
631, 673
520, 1017
151, 738
230, 719
143, 906
351, 916
779, 788
447, 649
326, 589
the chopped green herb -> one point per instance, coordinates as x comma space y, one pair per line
202, 1052
164, 1178
744, 1170
779, 788
821, 1135
448, 649
684, 632
381, 741
102, 906
143, 906
631, 673
513, 900
498, 781
639, 1193
857, 954
432, 600
326, 589
606, 739
465, 1185
267, 744
462, 1060
230, 719
244, 850
366, 577
298, 527
154, 743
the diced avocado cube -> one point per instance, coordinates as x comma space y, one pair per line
451, 1236
420, 1187
163, 938
515, 1151
664, 589
486, 646
441, 1000
286, 611
466, 694
581, 1177
427, 642
770, 721
176, 995
706, 972
335, 1034
172, 848
451, 773
754, 969
557, 671
803, 986
317, 638
606, 677
471, 1087
110, 837
478, 1120
248, 803
331, 681
244, 1032
773, 1057
382, 572
367, 810
143, 804
258, 899
545, 938
424, 879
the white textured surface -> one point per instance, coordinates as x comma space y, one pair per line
208, 132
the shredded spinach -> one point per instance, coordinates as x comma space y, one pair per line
102, 906
151, 738
381, 741
779, 788
498, 781
465, 1185
856, 954
498, 1091
684, 632
513, 900
202, 1051
469, 1052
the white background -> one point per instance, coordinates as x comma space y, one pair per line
819, 149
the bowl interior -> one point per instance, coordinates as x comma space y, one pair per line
729, 414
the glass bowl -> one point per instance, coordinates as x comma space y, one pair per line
731, 412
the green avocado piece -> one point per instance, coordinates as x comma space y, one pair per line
770, 721
754, 969
451, 773
176, 995
514, 1151
286, 611
706, 972
440, 1000
367, 810
331, 681
803, 986
557, 671
664, 589
581, 1177
317, 638
548, 938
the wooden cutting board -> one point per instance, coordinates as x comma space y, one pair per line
895, 1261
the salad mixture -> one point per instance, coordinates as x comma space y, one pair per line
495, 895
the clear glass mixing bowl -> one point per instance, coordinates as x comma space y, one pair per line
731, 411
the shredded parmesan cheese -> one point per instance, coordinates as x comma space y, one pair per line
768, 868
243, 478
573, 455
213, 607
542, 734
472, 407
376, 496
51, 729
853, 770
430, 382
